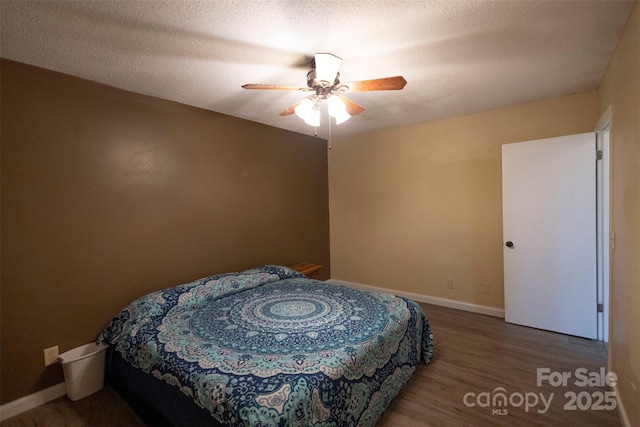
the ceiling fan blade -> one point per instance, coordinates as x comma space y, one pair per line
352, 107
271, 87
327, 66
290, 110
386, 83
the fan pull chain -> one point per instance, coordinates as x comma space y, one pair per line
329, 141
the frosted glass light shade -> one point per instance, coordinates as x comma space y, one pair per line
338, 110
313, 118
342, 117
304, 108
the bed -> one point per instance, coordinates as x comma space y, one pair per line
266, 347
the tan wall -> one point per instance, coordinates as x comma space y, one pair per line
107, 195
620, 89
413, 206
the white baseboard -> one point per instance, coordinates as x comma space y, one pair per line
623, 414
31, 401
466, 306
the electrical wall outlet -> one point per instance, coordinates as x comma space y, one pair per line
450, 283
486, 288
51, 355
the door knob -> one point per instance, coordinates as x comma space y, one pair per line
509, 244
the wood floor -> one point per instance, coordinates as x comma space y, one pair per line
474, 355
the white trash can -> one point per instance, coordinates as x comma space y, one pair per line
83, 370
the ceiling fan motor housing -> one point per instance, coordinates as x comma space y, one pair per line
321, 87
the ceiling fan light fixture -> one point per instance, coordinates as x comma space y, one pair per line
313, 118
304, 108
342, 117
338, 110
323, 81
309, 111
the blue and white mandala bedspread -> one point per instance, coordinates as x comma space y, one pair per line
269, 347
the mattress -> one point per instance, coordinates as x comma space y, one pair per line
267, 347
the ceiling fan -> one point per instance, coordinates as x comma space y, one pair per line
324, 82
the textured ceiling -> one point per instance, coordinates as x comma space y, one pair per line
458, 56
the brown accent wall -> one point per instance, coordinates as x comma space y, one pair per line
108, 195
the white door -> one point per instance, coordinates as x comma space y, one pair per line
549, 231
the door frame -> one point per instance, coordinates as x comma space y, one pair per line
603, 215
